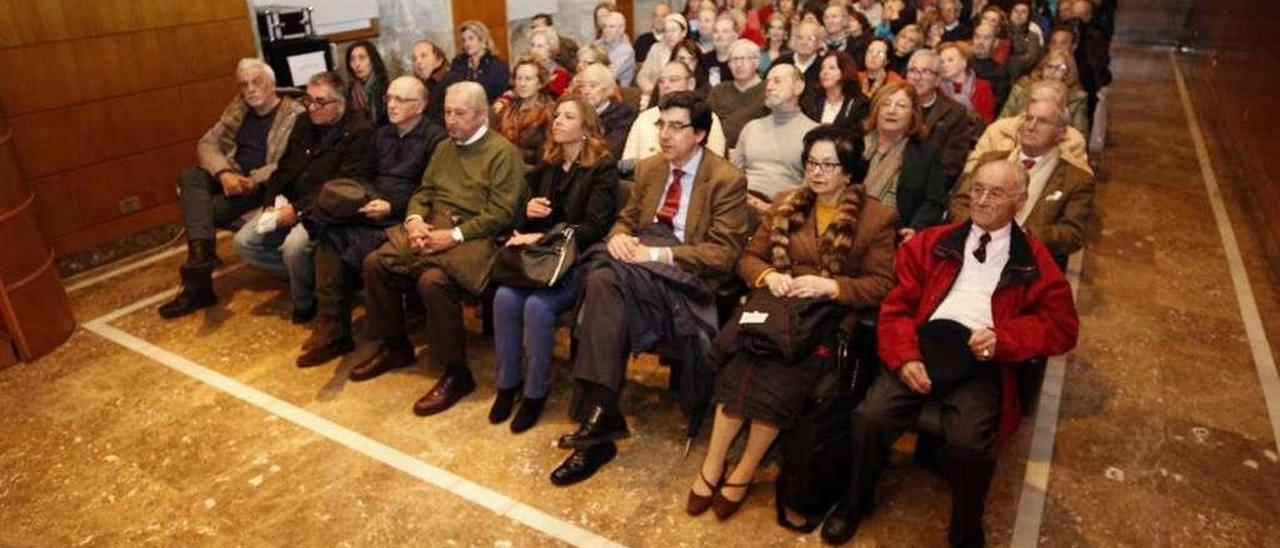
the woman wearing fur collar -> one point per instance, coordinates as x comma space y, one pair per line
826, 241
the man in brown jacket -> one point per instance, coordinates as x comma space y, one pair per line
1059, 195
236, 156
951, 127
684, 225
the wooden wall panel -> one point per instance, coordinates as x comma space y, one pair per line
493, 14
35, 21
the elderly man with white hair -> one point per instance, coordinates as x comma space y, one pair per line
1059, 194
622, 57
806, 44
741, 99
236, 156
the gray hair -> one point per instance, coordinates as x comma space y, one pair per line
616, 16
745, 47
1021, 177
1052, 91
473, 92
333, 80
930, 54
254, 63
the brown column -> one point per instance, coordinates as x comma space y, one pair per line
35, 314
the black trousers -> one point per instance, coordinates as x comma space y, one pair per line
204, 206
600, 367
970, 423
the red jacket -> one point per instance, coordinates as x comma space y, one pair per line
1032, 308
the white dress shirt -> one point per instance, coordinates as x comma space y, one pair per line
1039, 177
969, 301
690, 169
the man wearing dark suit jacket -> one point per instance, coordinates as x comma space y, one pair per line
950, 127
697, 202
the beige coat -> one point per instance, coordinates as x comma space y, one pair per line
216, 150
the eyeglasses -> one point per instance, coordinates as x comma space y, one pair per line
1038, 121
401, 100
822, 167
917, 71
877, 54
1056, 67
312, 102
997, 195
671, 126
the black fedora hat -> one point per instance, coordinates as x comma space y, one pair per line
944, 345
339, 201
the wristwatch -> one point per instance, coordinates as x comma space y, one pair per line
456, 234
654, 254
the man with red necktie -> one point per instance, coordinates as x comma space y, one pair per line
676, 241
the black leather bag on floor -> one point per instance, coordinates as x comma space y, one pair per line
538, 265
817, 454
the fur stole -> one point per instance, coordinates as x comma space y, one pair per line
834, 243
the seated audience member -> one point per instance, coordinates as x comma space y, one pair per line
468, 196
874, 72
1093, 52
905, 171
835, 24
1063, 38
836, 98
747, 19
960, 84
986, 67
871, 10
477, 62
1059, 195
770, 148
523, 118
861, 34
657, 21
972, 301
806, 39
741, 99
593, 54
1059, 67
706, 19
576, 183
601, 13
567, 47
687, 52
544, 44
645, 138
776, 41
824, 241
402, 149
332, 142
995, 17
236, 157
431, 65
895, 17
1002, 135
716, 61
1026, 40
954, 27
934, 30
675, 29
905, 43
949, 126
596, 86
368, 82
674, 243
622, 58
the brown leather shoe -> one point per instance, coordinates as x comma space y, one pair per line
328, 340
447, 391
723, 507
390, 355
698, 504
325, 329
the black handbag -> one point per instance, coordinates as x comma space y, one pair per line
538, 265
785, 327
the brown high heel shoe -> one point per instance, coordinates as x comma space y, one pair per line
697, 504
725, 508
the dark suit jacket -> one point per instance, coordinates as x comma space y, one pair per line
1058, 216
954, 132
716, 225
584, 197
963, 32
922, 188
616, 122
853, 110
309, 160
810, 75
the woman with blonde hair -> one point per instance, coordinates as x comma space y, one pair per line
576, 183
544, 42
477, 62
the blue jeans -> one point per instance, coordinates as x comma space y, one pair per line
524, 326
287, 251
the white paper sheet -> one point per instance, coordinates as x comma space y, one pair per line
306, 65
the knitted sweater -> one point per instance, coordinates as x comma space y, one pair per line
769, 150
481, 184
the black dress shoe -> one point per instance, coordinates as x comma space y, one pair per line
452, 387
196, 292
583, 464
598, 429
841, 525
503, 404
527, 414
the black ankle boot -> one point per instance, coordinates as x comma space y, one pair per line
528, 413
196, 293
502, 404
202, 253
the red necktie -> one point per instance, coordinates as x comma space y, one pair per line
671, 203
957, 86
1028, 164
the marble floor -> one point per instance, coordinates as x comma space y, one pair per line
201, 431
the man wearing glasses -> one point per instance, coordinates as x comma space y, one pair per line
950, 125
741, 99
674, 243
1060, 194
236, 157
331, 142
972, 301
401, 151
643, 140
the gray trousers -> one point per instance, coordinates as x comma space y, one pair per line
205, 207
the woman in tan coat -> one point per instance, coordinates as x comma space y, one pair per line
824, 241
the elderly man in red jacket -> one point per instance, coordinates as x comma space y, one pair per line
972, 301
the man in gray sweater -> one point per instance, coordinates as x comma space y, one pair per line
770, 147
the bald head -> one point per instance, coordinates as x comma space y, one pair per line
998, 191
406, 100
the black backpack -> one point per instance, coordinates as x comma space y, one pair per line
816, 455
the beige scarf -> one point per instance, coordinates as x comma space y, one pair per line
882, 176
